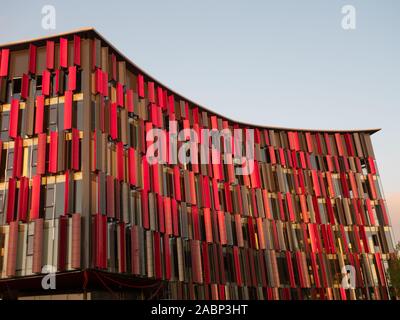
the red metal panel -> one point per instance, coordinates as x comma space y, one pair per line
41, 154
171, 105
129, 100
168, 216
53, 151
132, 166
72, 78
146, 174
105, 84
349, 144
62, 243
35, 204
345, 187
364, 239
329, 208
120, 161
32, 59
13, 125
5, 57
292, 216
39, 114
314, 177
113, 121
290, 269
63, 53
77, 50
385, 216
145, 209
236, 260
120, 95
150, 91
11, 200
215, 194
371, 164
160, 97
381, 271
338, 139
208, 225
140, 85
75, 149
46, 83
228, 198
196, 261
371, 183
50, 55
18, 154
206, 264
68, 110
177, 184
25, 86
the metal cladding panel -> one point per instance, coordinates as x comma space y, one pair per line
4, 62
95, 200
63, 53
38, 246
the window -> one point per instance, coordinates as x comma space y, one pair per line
51, 115
33, 159
4, 126
49, 196
10, 162
39, 83
16, 88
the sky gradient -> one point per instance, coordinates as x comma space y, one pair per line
249, 60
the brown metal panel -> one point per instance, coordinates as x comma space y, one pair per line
358, 144
104, 59
76, 241
97, 53
18, 63
3, 89
98, 151
30, 111
12, 249
122, 72
38, 247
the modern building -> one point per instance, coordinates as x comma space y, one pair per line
78, 195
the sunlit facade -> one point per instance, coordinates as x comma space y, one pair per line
77, 192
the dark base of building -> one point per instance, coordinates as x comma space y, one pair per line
83, 285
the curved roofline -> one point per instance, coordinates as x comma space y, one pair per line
92, 30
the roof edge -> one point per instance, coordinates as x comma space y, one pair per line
149, 77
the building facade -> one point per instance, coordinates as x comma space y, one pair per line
79, 196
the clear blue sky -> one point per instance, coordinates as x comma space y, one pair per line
284, 63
